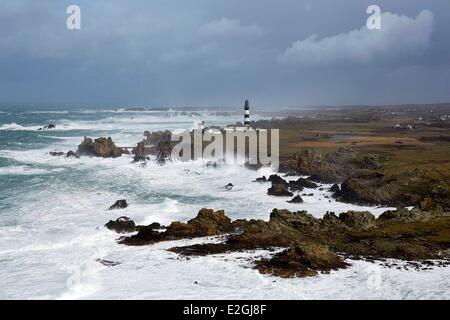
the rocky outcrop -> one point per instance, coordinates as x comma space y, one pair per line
416, 214
279, 189
311, 162
296, 199
121, 225
313, 244
303, 183
368, 189
358, 220
56, 153
119, 204
301, 260
229, 187
72, 154
158, 144
336, 190
334, 167
140, 153
50, 126
262, 179
100, 147
207, 223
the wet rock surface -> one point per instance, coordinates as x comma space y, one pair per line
301, 260
56, 153
296, 199
100, 147
72, 154
119, 204
313, 245
207, 223
50, 126
121, 225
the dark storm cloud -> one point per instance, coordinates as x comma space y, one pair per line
213, 53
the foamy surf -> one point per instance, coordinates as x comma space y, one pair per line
54, 209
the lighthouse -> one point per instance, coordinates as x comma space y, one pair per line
247, 114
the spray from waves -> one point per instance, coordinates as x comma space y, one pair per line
15, 126
24, 170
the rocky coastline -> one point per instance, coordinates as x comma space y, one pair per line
309, 245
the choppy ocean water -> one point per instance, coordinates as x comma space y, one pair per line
52, 213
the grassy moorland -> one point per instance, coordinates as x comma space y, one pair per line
410, 146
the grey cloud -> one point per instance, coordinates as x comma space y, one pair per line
229, 27
176, 52
399, 36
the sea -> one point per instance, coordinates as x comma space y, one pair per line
53, 211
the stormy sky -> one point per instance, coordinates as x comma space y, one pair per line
219, 52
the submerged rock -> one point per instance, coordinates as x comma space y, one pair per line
107, 263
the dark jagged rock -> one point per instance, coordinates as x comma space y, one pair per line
229, 187
164, 152
402, 214
140, 159
139, 150
56, 153
121, 225
263, 179
144, 236
107, 263
368, 189
274, 178
296, 199
279, 189
72, 154
206, 223
358, 220
313, 243
294, 187
100, 147
158, 144
119, 204
48, 127
155, 226
304, 183
336, 190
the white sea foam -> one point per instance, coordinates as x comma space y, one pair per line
57, 229
24, 170
15, 126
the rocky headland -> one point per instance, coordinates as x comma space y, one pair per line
308, 245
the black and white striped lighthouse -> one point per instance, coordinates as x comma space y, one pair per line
247, 114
